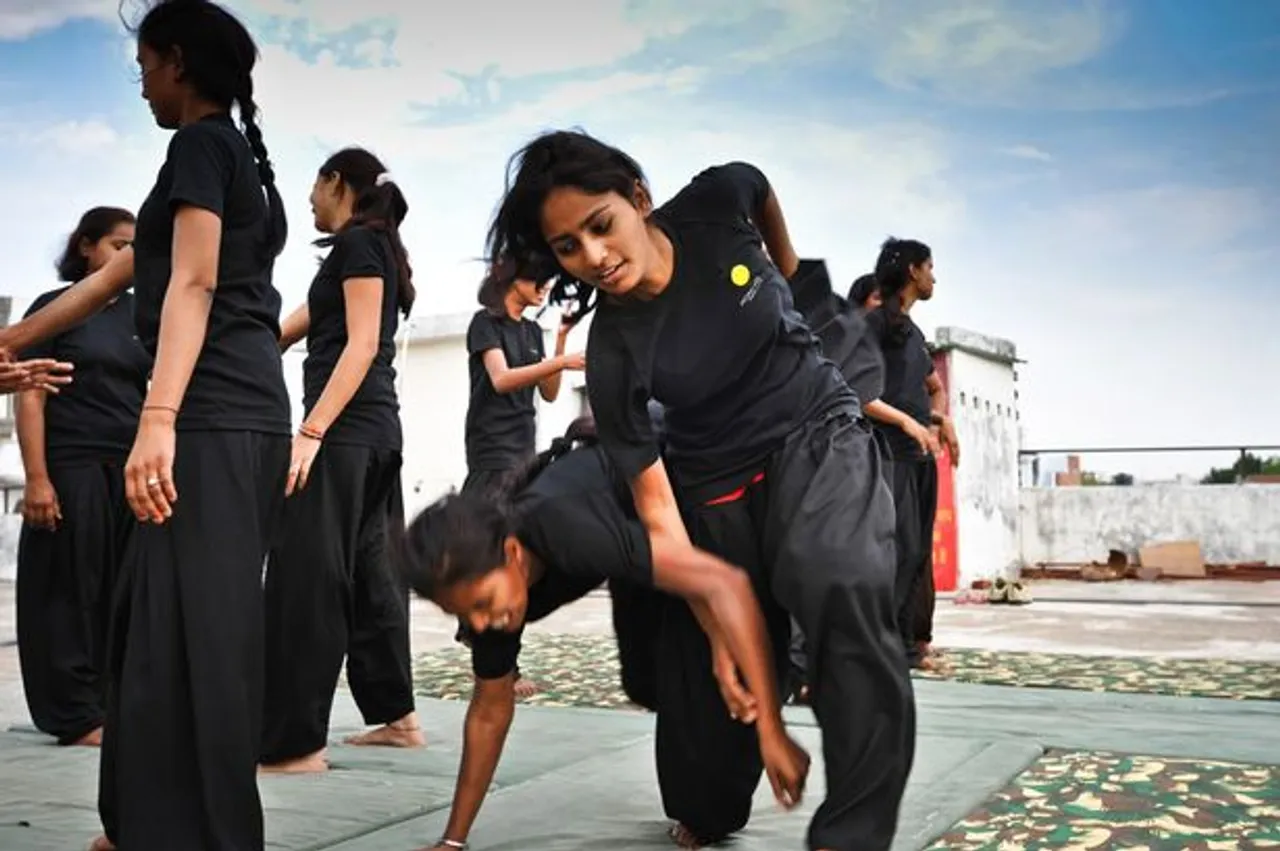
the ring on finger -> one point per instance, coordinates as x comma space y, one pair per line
153, 482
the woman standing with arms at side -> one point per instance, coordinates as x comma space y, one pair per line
76, 520
775, 471
912, 404
206, 475
330, 589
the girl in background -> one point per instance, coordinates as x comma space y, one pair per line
76, 521
506, 361
330, 589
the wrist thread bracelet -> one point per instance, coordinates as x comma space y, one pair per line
453, 843
168, 408
307, 431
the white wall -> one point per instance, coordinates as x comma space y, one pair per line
1233, 523
983, 407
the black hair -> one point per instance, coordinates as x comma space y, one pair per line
458, 537
379, 206
218, 56
505, 271
893, 272
93, 226
462, 536
554, 159
862, 288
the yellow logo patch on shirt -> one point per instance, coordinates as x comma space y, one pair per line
740, 275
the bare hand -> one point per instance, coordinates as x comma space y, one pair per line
577, 360
924, 437
305, 450
148, 475
742, 706
40, 507
787, 765
39, 374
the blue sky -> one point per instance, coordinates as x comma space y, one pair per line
1097, 179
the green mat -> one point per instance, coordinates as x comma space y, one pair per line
1103, 801
582, 670
1219, 678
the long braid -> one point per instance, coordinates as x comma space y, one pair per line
277, 223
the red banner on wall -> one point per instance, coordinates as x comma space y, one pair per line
946, 567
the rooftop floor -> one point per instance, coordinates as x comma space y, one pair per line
582, 778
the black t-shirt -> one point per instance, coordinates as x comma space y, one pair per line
501, 429
907, 363
95, 418
722, 348
238, 381
846, 338
578, 519
372, 417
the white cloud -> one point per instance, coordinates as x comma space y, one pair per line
74, 137
438, 40
21, 19
1027, 152
996, 43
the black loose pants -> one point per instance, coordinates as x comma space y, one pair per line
915, 496
814, 529
333, 592
184, 711
63, 599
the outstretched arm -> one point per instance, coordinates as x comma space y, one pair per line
507, 379
74, 306
726, 609
489, 717
722, 598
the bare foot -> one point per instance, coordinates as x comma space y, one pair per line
682, 836
310, 764
92, 739
526, 688
404, 733
101, 843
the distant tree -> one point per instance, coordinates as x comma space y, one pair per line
1089, 479
1246, 465
1122, 479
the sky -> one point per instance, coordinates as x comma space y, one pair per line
1098, 180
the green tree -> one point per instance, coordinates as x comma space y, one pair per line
1246, 465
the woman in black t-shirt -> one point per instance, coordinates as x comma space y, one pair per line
76, 521
557, 529
206, 475
506, 361
913, 422
772, 463
330, 590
